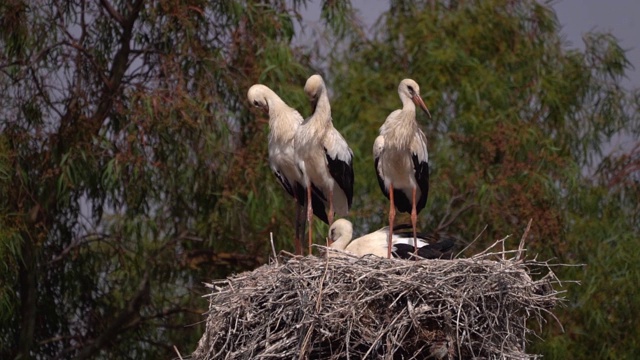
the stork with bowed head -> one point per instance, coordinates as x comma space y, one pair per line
375, 243
323, 156
402, 160
283, 123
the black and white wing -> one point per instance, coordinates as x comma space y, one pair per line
317, 201
378, 149
402, 200
440, 250
286, 184
420, 158
340, 162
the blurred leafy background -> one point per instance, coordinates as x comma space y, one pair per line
132, 169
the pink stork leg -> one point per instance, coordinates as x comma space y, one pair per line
392, 216
414, 220
331, 212
309, 215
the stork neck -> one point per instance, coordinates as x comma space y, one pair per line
322, 107
399, 132
276, 107
342, 242
283, 121
408, 106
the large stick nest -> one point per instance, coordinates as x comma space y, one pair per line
355, 308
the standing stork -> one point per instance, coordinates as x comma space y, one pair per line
283, 123
402, 160
323, 156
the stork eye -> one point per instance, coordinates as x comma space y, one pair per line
411, 91
256, 103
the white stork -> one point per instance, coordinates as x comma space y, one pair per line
283, 123
401, 158
323, 156
375, 243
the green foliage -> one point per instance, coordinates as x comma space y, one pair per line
132, 169
508, 101
599, 317
517, 119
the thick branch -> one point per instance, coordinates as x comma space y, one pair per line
118, 67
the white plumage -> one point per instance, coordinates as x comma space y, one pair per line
401, 157
283, 124
323, 155
375, 243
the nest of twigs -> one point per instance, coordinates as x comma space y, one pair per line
356, 308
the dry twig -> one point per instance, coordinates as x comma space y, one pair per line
350, 308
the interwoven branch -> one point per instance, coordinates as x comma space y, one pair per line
353, 308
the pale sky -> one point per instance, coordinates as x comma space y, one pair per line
618, 17
577, 17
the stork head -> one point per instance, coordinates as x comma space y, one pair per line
411, 90
314, 88
341, 228
259, 95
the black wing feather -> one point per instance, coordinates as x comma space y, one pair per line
342, 173
317, 202
439, 250
403, 251
421, 171
398, 229
380, 179
285, 183
400, 199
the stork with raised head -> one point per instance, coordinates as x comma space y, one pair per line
323, 156
402, 160
283, 123
375, 243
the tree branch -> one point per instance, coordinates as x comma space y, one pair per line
112, 11
131, 313
449, 218
118, 67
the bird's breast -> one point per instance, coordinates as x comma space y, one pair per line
315, 167
397, 168
283, 161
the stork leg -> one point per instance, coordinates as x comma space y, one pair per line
331, 212
309, 216
414, 220
300, 225
392, 216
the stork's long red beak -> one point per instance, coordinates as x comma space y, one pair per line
418, 101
